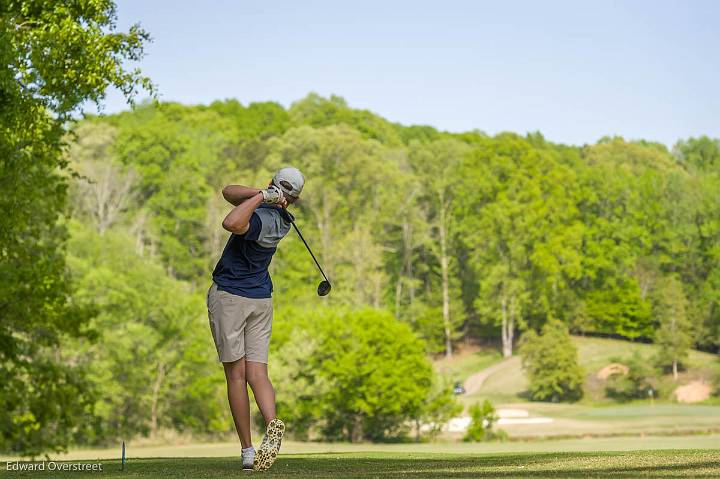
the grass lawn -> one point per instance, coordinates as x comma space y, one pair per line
593, 354
231, 448
595, 414
634, 419
466, 361
508, 383
662, 463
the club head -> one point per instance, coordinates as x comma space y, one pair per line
324, 288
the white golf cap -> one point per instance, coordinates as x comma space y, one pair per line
289, 180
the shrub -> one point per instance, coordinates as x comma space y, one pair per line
483, 418
550, 360
357, 375
674, 334
440, 406
636, 384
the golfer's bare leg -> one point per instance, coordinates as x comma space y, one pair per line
235, 375
257, 377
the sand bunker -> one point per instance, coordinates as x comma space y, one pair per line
612, 368
695, 391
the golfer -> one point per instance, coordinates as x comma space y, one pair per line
240, 305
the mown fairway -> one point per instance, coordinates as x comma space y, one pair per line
508, 383
664, 463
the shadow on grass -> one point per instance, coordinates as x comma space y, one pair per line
387, 465
571, 465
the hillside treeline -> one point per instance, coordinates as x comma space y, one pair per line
458, 235
429, 238
110, 227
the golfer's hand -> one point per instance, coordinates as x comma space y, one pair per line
272, 195
283, 202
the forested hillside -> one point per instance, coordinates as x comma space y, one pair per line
455, 234
429, 238
460, 262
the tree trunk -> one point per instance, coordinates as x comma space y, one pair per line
138, 229
510, 333
675, 348
378, 291
159, 378
357, 429
507, 328
408, 250
445, 280
398, 295
111, 190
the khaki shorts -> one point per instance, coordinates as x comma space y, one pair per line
240, 326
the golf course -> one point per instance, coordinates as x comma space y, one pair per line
635, 456
656, 463
503, 382
586, 439
359, 239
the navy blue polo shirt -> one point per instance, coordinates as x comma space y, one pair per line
243, 266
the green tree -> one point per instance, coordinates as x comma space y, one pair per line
104, 187
483, 418
316, 111
178, 154
56, 57
674, 336
519, 222
255, 122
533, 230
436, 164
343, 205
359, 375
440, 406
698, 154
550, 361
701, 274
639, 383
632, 205
154, 356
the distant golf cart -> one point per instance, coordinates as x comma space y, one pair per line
458, 388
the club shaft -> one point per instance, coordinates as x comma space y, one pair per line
309, 251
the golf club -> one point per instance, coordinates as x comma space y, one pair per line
324, 287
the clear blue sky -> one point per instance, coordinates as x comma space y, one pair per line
574, 70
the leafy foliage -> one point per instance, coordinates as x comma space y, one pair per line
639, 383
153, 363
362, 375
56, 56
441, 235
550, 360
483, 418
674, 336
533, 231
440, 406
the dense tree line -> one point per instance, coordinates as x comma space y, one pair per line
456, 234
429, 237
56, 57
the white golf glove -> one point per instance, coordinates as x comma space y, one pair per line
272, 195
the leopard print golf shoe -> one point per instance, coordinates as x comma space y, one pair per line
270, 446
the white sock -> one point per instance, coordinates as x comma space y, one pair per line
248, 450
